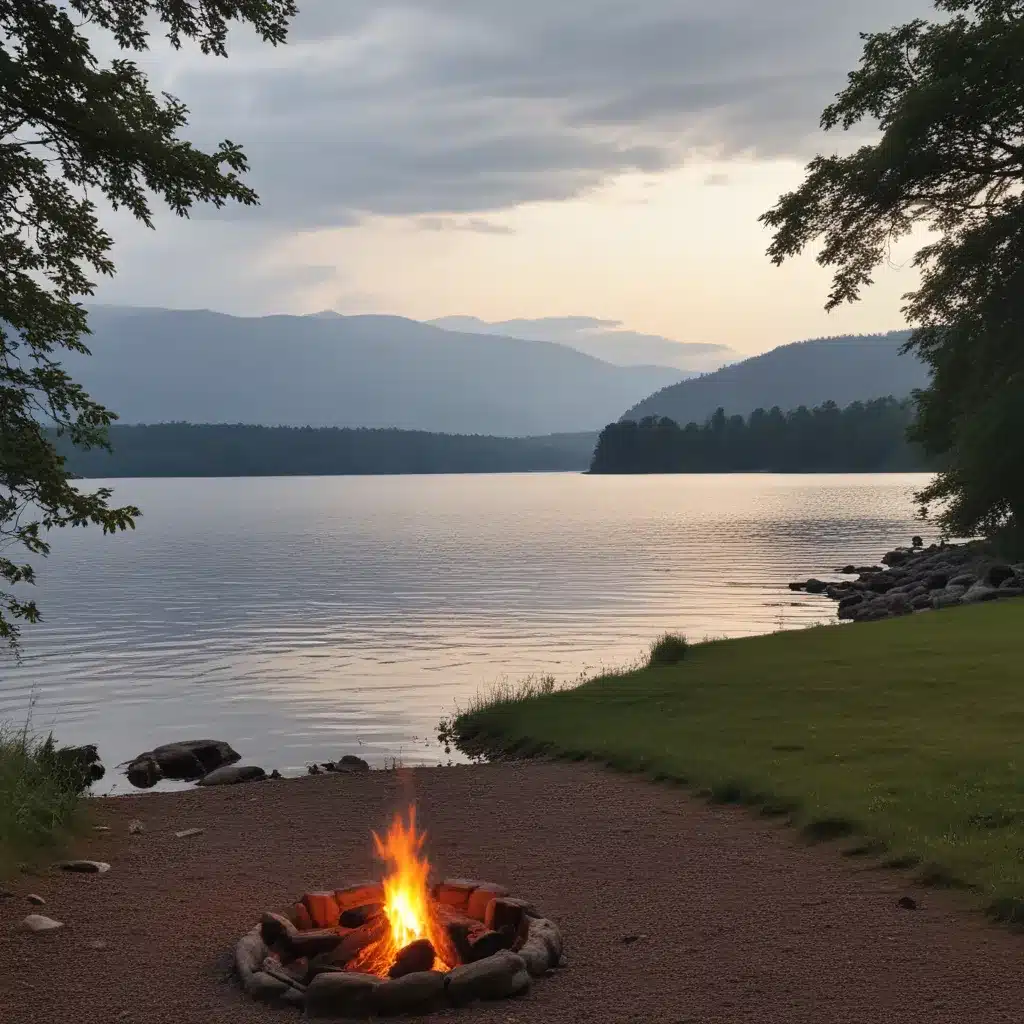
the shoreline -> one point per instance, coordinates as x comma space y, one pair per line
917, 579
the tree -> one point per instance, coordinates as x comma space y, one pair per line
948, 97
74, 131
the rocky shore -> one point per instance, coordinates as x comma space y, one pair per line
918, 578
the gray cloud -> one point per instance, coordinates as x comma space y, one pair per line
452, 110
449, 106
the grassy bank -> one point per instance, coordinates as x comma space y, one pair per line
906, 732
38, 799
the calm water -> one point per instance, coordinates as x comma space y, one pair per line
304, 618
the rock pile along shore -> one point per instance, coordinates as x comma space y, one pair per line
919, 579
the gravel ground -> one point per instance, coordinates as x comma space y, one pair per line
737, 920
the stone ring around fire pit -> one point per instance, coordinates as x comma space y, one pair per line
329, 953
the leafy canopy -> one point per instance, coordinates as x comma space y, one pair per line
75, 132
948, 97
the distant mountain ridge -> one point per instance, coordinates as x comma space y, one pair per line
602, 339
154, 365
843, 369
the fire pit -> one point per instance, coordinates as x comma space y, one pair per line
399, 945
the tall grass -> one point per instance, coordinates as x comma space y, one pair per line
39, 794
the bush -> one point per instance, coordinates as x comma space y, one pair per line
668, 650
39, 792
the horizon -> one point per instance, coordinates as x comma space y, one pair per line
637, 149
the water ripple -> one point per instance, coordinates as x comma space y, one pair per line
302, 618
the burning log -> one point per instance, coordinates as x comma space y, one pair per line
416, 957
358, 916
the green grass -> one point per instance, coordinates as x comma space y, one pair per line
38, 799
907, 733
669, 649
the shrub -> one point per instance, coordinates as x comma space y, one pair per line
39, 792
668, 650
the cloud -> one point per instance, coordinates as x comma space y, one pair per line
451, 106
448, 112
478, 225
717, 179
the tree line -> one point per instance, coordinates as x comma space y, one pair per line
190, 449
863, 437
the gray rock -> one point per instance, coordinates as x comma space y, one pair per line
997, 574
813, 586
964, 579
135, 827
950, 596
341, 994
250, 952
189, 832
36, 901
187, 760
1004, 592
920, 602
353, 763
497, 977
536, 954
85, 867
144, 772
980, 592
37, 923
421, 991
232, 774
265, 987
548, 931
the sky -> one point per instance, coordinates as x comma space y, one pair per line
599, 158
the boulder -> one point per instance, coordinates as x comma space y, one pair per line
250, 952
936, 580
981, 591
1004, 592
497, 977
185, 761
997, 574
813, 586
949, 597
964, 579
341, 994
232, 774
352, 763
421, 991
487, 942
144, 772
265, 987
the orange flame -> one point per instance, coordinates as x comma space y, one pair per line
407, 902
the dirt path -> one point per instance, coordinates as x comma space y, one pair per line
741, 923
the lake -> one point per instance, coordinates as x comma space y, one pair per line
302, 618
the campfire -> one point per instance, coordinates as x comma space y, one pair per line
398, 945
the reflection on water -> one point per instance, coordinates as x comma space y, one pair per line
303, 618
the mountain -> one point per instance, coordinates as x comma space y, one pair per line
602, 339
843, 370
162, 365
